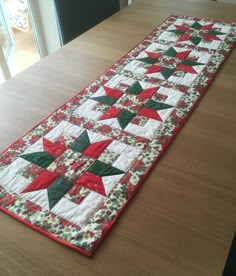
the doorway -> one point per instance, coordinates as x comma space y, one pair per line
17, 39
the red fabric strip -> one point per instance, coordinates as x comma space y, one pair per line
52, 148
41, 182
112, 112
114, 93
92, 182
150, 114
95, 150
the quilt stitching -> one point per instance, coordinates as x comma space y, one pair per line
72, 175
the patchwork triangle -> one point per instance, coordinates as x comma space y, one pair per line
57, 190
186, 68
154, 69
95, 150
52, 148
150, 113
167, 72
92, 182
153, 55
214, 33
41, 182
110, 182
177, 31
101, 169
112, 112
124, 118
148, 60
81, 143
171, 52
210, 37
135, 89
181, 27
184, 37
195, 40
183, 55
105, 99
113, 93
157, 105
207, 27
42, 159
147, 93
191, 62
196, 25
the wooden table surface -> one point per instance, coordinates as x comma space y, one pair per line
183, 219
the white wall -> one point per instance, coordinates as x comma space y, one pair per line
45, 25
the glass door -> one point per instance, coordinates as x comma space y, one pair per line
6, 43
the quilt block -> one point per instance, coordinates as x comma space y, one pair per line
73, 174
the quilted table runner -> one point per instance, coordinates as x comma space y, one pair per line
71, 176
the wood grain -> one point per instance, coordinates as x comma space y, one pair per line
183, 219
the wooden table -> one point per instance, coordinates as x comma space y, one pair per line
183, 219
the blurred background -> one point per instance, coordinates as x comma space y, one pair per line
32, 29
